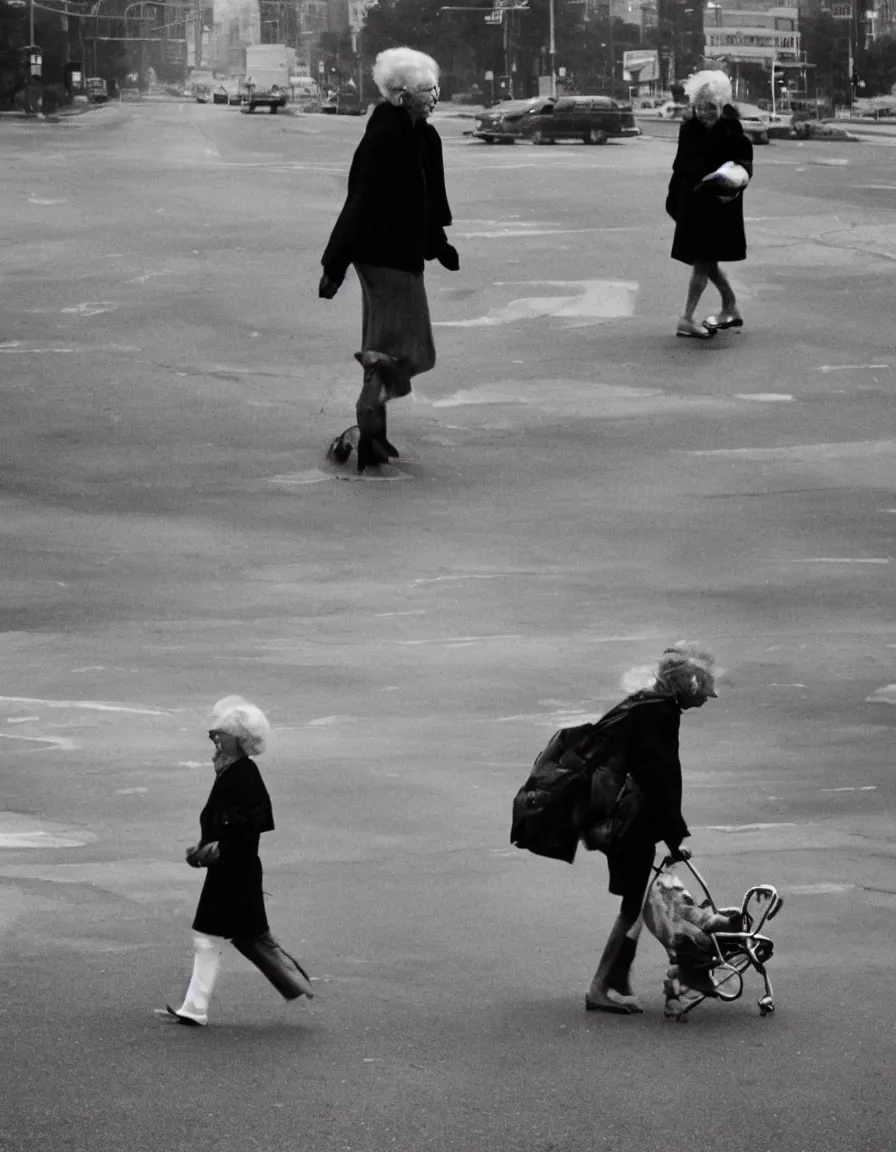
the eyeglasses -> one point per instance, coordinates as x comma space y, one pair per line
423, 90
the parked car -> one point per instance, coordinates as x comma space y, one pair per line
593, 119
503, 123
754, 122
671, 110
253, 97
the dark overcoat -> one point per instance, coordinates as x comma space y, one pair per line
396, 211
654, 764
708, 229
237, 812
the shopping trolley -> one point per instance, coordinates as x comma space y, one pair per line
709, 948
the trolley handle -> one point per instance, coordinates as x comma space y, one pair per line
668, 861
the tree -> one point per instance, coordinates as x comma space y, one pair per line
877, 67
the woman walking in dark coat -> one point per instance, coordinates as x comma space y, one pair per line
394, 219
231, 906
706, 204
684, 679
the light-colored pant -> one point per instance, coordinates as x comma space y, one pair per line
282, 970
206, 963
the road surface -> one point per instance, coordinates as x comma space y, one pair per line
576, 490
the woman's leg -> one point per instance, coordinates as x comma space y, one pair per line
206, 962
611, 987
696, 288
284, 971
730, 310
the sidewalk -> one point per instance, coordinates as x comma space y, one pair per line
52, 117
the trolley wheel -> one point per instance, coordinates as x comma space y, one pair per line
766, 1006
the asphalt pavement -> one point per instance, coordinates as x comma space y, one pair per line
576, 489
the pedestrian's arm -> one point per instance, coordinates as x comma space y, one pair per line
656, 768
246, 814
743, 154
370, 182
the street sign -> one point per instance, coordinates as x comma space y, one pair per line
841, 11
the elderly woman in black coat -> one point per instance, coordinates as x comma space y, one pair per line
684, 679
712, 167
393, 220
231, 906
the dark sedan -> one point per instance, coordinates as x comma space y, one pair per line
543, 120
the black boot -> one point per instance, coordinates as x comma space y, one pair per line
341, 448
373, 445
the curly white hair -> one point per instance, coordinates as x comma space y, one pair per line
685, 666
709, 85
399, 70
247, 723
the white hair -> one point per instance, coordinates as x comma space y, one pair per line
242, 720
403, 69
681, 663
712, 85
673, 670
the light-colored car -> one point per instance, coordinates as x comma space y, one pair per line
671, 110
754, 122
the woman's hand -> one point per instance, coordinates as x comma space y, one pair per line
327, 288
449, 258
202, 857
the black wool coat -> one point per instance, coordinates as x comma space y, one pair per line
396, 211
654, 764
706, 228
237, 812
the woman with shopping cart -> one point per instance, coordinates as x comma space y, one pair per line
683, 680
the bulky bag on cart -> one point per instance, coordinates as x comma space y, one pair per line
579, 788
683, 927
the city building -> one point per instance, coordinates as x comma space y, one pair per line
757, 45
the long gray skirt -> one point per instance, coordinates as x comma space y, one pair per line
395, 322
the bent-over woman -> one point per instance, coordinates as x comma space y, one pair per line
709, 214
684, 679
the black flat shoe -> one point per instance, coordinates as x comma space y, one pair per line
183, 1019
714, 324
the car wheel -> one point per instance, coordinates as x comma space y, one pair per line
596, 136
538, 137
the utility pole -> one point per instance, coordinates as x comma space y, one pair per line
552, 52
612, 49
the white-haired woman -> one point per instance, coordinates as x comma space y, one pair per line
231, 906
684, 679
708, 213
393, 220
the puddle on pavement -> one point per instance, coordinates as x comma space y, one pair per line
18, 832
